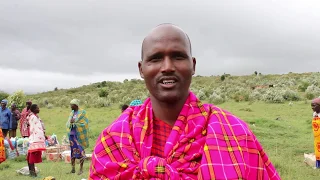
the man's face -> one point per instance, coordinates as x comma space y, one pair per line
3, 105
315, 107
167, 65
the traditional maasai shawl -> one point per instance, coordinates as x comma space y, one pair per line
24, 129
206, 142
82, 127
316, 134
2, 148
36, 138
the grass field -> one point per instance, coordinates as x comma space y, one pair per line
284, 131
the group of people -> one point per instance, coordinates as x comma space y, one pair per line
32, 127
10, 118
172, 134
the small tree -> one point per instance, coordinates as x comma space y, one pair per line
19, 98
222, 78
56, 89
103, 93
3, 95
256, 73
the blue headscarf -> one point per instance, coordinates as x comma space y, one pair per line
135, 102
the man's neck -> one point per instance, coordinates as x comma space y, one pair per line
167, 112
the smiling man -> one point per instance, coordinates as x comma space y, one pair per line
172, 135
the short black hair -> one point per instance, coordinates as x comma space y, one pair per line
33, 107
166, 24
124, 107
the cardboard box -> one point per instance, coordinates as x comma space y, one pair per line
53, 157
65, 147
54, 149
67, 158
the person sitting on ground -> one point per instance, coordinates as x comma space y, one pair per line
36, 139
315, 105
78, 128
173, 135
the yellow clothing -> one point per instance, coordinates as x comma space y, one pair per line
316, 134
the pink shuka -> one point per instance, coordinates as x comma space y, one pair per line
206, 142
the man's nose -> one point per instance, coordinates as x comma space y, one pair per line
167, 65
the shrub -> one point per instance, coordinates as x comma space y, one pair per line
19, 98
312, 91
103, 93
273, 96
3, 95
290, 95
303, 86
216, 99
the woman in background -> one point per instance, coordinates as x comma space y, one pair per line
36, 139
24, 126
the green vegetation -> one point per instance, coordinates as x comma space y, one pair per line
283, 128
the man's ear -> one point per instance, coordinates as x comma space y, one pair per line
140, 69
194, 61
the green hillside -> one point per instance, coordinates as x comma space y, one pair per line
213, 89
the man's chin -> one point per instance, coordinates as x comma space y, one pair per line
169, 97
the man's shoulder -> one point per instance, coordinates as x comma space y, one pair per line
125, 118
223, 117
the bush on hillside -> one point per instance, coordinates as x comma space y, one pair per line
303, 86
273, 96
216, 99
19, 98
290, 95
103, 93
312, 92
3, 95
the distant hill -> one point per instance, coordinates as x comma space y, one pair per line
214, 89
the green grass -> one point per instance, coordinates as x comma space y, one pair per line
285, 140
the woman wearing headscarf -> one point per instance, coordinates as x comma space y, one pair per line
36, 139
77, 126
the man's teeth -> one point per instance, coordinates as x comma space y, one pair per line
168, 81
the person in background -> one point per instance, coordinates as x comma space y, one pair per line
173, 135
15, 118
315, 105
36, 139
135, 102
124, 107
2, 148
78, 128
5, 118
24, 125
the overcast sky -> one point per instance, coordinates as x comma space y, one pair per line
68, 43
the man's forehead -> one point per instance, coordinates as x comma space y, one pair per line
167, 32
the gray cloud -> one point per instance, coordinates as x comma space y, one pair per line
90, 37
